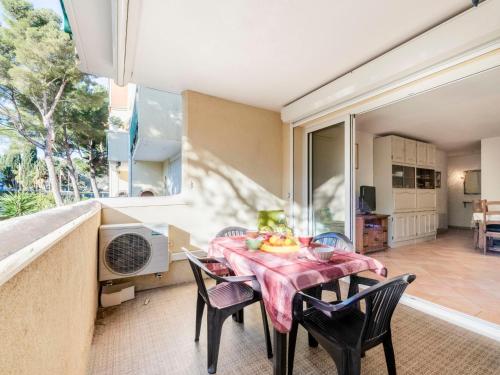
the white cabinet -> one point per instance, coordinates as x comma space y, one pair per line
403, 227
399, 227
410, 151
421, 153
411, 222
412, 210
406, 228
426, 155
426, 224
398, 149
431, 155
404, 200
426, 199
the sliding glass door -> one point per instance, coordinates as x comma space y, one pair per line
330, 174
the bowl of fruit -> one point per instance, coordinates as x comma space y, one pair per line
279, 243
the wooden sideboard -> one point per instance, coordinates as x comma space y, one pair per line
371, 232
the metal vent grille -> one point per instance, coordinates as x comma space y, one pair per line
127, 254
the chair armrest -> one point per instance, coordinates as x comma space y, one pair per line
238, 279
209, 260
326, 308
360, 280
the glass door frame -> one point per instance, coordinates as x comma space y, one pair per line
349, 171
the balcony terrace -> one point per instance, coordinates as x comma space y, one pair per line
51, 323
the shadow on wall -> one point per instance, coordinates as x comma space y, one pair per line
216, 195
223, 195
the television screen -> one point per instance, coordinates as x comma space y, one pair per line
367, 200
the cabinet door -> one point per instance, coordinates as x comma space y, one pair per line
422, 224
421, 153
431, 155
398, 149
399, 227
433, 217
426, 199
404, 200
411, 225
410, 151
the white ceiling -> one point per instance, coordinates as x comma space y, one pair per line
268, 53
455, 117
265, 53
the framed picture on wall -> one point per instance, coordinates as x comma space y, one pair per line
472, 182
438, 180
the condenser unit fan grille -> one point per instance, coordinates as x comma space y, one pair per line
127, 254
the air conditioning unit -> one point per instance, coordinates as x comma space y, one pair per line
127, 250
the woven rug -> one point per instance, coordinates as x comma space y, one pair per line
154, 334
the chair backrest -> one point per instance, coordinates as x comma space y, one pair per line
381, 301
334, 239
231, 232
490, 208
197, 266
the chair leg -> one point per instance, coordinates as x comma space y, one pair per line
267, 334
389, 355
337, 290
215, 320
353, 363
292, 341
238, 316
200, 305
315, 292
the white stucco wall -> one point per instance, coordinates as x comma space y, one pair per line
172, 175
146, 175
364, 172
458, 214
442, 193
490, 171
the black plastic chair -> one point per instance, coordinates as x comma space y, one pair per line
229, 296
234, 231
339, 241
344, 330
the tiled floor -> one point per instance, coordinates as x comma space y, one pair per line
157, 337
451, 273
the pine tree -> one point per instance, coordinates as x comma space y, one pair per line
37, 66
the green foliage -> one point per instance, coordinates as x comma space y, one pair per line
85, 110
22, 203
116, 123
46, 100
22, 170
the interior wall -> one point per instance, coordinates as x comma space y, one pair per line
47, 310
442, 192
364, 172
490, 171
460, 215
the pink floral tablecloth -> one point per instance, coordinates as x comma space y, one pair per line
282, 275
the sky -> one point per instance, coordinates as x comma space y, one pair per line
51, 4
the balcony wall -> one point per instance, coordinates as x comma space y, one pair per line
49, 302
